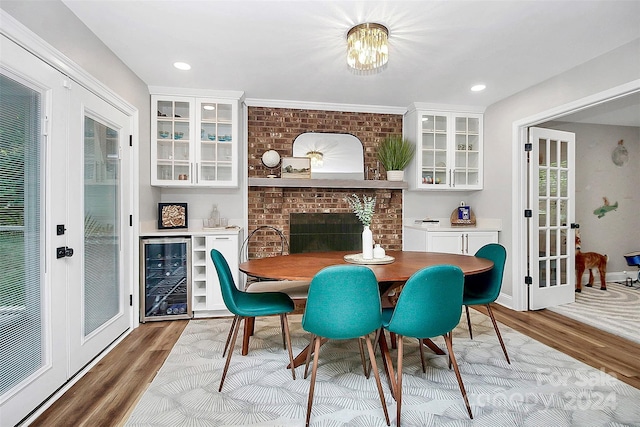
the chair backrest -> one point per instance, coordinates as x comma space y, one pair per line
488, 284
227, 285
343, 303
430, 303
272, 234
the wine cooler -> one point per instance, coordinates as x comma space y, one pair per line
165, 278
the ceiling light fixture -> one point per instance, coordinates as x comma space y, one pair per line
182, 66
478, 87
367, 47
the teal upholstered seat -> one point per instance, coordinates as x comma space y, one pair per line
244, 305
429, 305
343, 303
484, 288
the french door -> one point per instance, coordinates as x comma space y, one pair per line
62, 203
552, 204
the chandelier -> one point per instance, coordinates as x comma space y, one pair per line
367, 47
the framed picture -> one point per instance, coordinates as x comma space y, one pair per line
296, 167
172, 215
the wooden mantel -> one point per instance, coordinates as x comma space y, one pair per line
327, 183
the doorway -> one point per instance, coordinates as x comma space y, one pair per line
520, 225
65, 202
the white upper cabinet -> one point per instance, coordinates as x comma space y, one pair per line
194, 141
448, 149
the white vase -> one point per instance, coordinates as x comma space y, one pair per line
395, 175
367, 243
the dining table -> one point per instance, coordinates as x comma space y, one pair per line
391, 272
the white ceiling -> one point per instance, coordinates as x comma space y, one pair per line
296, 50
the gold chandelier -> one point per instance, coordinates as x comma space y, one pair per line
367, 47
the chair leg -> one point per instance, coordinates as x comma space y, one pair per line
233, 325
448, 340
399, 380
362, 359
372, 358
421, 348
233, 343
393, 339
285, 329
367, 372
466, 307
495, 326
309, 351
284, 342
313, 378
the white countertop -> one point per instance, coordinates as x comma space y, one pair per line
195, 229
444, 224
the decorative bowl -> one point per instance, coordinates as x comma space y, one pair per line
211, 136
164, 134
178, 135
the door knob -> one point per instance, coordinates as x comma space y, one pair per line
64, 252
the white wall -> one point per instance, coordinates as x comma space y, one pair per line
617, 232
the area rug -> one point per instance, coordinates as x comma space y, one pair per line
616, 310
541, 387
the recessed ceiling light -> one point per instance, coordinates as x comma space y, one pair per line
182, 66
209, 107
478, 87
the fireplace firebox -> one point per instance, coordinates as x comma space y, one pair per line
319, 232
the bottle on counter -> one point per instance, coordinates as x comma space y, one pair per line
214, 221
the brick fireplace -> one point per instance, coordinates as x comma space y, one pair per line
276, 128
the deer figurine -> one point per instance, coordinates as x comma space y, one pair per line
589, 261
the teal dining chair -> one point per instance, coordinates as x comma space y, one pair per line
343, 303
246, 305
484, 288
429, 305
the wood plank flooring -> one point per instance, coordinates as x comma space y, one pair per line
109, 392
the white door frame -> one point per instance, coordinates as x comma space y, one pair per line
519, 172
21, 35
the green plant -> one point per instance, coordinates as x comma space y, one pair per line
362, 208
395, 152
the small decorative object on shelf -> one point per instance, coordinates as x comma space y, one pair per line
364, 210
296, 167
395, 153
271, 159
172, 215
463, 215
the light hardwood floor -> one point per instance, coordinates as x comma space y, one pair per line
109, 392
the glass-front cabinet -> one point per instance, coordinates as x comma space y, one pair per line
194, 141
448, 150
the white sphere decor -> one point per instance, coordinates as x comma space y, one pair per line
271, 159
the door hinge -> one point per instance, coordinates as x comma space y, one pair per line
528, 280
130, 140
528, 146
131, 300
130, 220
528, 213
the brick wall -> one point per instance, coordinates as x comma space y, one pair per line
276, 128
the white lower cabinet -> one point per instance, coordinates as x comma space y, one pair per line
206, 293
465, 242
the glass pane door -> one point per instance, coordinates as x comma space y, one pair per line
21, 322
101, 224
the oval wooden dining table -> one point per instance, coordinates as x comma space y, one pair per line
304, 266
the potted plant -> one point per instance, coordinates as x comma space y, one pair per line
395, 153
